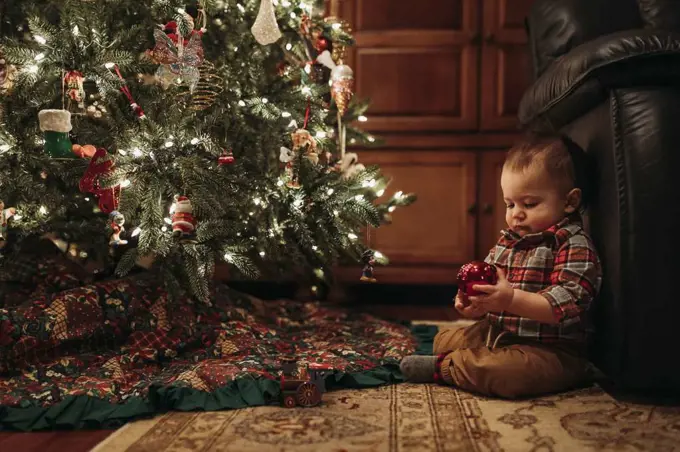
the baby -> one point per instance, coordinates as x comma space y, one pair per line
532, 337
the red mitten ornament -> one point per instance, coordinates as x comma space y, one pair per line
475, 272
100, 165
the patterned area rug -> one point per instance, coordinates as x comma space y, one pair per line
407, 417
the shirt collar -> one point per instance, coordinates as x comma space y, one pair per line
558, 232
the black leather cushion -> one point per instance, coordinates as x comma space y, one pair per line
557, 26
580, 80
660, 14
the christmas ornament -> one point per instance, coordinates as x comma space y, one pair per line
349, 165
368, 258
5, 215
126, 90
179, 56
288, 157
304, 141
183, 221
95, 108
86, 151
475, 272
117, 226
342, 85
101, 165
339, 51
209, 86
7, 75
75, 92
227, 158
321, 44
56, 124
265, 29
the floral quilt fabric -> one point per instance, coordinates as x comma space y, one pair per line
113, 340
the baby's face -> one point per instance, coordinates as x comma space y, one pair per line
533, 201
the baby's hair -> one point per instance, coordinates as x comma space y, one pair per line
565, 161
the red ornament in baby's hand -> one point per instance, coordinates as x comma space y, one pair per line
475, 272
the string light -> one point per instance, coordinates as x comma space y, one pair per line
257, 201
330, 191
167, 220
136, 232
228, 257
391, 209
262, 253
241, 103
352, 236
43, 210
40, 40
137, 152
321, 134
39, 56
4, 148
195, 141
362, 118
169, 144
398, 194
164, 229
285, 114
380, 192
125, 183
289, 46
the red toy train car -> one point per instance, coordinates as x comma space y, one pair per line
302, 387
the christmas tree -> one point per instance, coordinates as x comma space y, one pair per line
183, 135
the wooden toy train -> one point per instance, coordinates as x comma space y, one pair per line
300, 386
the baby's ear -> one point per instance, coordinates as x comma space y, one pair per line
573, 200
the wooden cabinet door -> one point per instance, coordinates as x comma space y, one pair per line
491, 204
429, 239
417, 62
506, 70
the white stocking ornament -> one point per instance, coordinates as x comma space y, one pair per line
265, 29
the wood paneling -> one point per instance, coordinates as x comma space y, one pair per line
437, 229
506, 71
395, 15
491, 204
436, 87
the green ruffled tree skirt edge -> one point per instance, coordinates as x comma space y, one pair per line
86, 412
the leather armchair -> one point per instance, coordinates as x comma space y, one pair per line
607, 74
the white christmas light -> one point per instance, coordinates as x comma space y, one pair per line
371, 139
39, 39
321, 134
172, 208
330, 191
257, 201
353, 141
251, 213
240, 6
308, 68
265, 100
39, 56
306, 90
136, 232
241, 103
167, 220
137, 152
362, 118
285, 3
4, 148
181, 10
378, 255
125, 183
76, 30
285, 114
352, 236
391, 209
336, 26
336, 213
109, 65
262, 253
293, 15
289, 46
164, 229
87, 199
279, 183
359, 198
17, 217
297, 203
32, 69
228, 257
43, 210
122, 151
314, 247
195, 141
169, 144
380, 192
398, 194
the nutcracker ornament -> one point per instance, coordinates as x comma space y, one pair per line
287, 157
75, 92
368, 258
183, 221
476, 272
117, 226
6, 215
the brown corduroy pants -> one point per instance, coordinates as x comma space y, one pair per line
507, 366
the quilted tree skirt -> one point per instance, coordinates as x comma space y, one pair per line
74, 355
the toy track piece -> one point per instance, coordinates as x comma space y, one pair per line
289, 401
308, 394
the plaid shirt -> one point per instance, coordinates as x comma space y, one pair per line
562, 265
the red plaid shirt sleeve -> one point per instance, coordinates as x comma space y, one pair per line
575, 278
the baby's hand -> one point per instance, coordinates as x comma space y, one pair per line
463, 306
